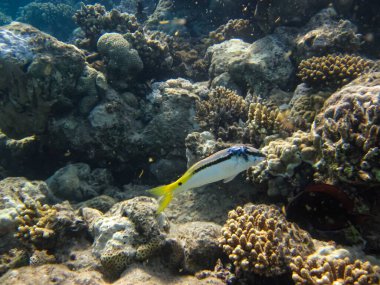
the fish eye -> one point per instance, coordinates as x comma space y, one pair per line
179, 183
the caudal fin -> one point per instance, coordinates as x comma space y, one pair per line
165, 193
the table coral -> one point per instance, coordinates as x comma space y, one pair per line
349, 129
220, 110
333, 70
257, 238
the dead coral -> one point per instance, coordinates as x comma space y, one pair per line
333, 269
333, 70
40, 257
13, 259
257, 238
234, 28
36, 224
220, 110
94, 20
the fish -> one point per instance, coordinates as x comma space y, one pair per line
223, 165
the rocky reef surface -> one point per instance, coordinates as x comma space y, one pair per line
103, 100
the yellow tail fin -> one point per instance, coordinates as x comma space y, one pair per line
165, 193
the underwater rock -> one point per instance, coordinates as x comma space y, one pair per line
164, 135
326, 33
263, 65
38, 75
131, 231
194, 246
349, 128
77, 182
46, 273
269, 14
102, 203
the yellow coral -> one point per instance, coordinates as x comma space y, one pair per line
36, 223
333, 70
257, 238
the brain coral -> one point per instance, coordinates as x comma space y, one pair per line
333, 70
257, 238
349, 127
120, 54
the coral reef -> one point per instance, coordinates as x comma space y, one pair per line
35, 224
52, 18
233, 29
94, 20
4, 19
39, 74
40, 257
349, 130
333, 70
265, 120
257, 238
333, 266
153, 49
221, 109
122, 60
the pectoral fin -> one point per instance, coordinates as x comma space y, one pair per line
228, 179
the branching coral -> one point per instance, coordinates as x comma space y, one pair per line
265, 120
334, 269
257, 238
333, 70
153, 50
94, 20
222, 109
36, 224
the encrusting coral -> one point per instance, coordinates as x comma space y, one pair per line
333, 267
36, 224
333, 70
259, 239
220, 110
349, 129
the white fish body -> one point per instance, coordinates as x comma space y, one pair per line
223, 165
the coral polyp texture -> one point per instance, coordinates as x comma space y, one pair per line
36, 224
349, 127
235, 28
259, 239
222, 108
333, 267
333, 70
